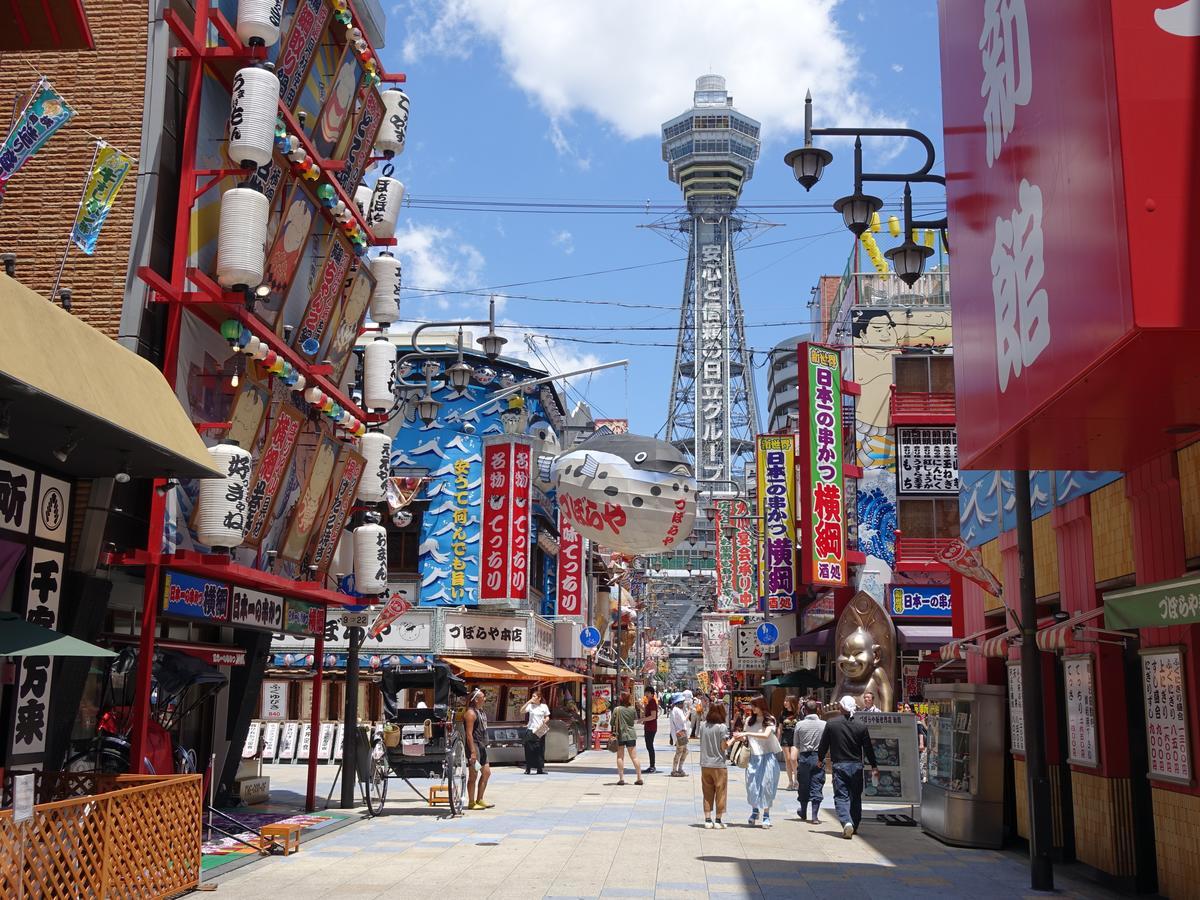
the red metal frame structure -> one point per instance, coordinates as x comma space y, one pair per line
921, 408
213, 304
916, 554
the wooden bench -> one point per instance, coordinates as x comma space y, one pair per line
289, 832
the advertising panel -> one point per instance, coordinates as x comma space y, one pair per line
569, 574
464, 634
268, 474
822, 500
894, 739
254, 609
776, 469
714, 641
193, 597
747, 652
1083, 746
507, 498
1165, 692
913, 600
927, 460
303, 618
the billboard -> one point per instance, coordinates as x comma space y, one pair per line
1070, 180
507, 500
569, 573
735, 556
776, 471
822, 499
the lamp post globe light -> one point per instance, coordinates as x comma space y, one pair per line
427, 407
908, 260
856, 210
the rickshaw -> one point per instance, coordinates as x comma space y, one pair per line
416, 742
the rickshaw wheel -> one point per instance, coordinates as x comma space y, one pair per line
377, 777
456, 775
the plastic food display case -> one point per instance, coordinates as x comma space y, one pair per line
962, 800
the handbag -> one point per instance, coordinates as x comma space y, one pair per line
541, 730
740, 754
612, 745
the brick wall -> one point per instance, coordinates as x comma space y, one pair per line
1177, 842
1103, 823
1189, 489
105, 87
1112, 532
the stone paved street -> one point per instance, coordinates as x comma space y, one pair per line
575, 833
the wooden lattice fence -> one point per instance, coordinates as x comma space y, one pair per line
140, 840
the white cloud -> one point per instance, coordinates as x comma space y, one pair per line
563, 146
436, 259
564, 240
631, 63
897, 68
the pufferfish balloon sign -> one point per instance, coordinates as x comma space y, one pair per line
632, 494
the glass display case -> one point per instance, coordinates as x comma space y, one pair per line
962, 801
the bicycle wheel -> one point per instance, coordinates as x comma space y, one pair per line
104, 762
375, 779
456, 775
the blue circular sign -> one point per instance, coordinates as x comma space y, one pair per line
590, 637
767, 634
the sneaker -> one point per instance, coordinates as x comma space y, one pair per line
718, 824
753, 820
651, 770
814, 821
766, 822
483, 805
802, 815
708, 823
848, 831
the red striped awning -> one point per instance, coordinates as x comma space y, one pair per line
953, 650
1062, 635
997, 647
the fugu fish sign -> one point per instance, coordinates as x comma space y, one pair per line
632, 494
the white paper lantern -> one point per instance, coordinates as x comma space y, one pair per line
298, 387
258, 21
224, 502
362, 199
370, 559
385, 299
252, 111
390, 140
630, 493
241, 241
384, 211
379, 360
376, 448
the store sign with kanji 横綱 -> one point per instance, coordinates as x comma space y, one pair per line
822, 495
776, 464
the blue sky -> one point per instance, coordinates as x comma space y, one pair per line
551, 101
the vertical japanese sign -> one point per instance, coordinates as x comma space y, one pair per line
325, 295
1165, 697
345, 479
724, 560
776, 467
105, 179
927, 461
460, 519
714, 641
44, 114
1016, 708
712, 360
274, 700
1079, 683
507, 501
192, 597
363, 141
44, 588
272, 465
570, 574
823, 510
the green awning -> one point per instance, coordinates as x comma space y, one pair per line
1158, 605
21, 638
800, 678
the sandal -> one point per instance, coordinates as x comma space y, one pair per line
639, 781
620, 783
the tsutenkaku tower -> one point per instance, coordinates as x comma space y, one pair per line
710, 152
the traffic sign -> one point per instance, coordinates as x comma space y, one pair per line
767, 634
590, 637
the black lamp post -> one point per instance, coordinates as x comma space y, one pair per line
809, 162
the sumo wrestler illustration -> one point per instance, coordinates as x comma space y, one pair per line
632, 494
865, 639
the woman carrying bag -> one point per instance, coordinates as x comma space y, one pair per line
762, 770
537, 724
624, 720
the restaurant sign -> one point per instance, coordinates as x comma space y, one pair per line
465, 634
822, 501
254, 609
919, 600
193, 597
1158, 605
569, 573
777, 508
507, 501
304, 618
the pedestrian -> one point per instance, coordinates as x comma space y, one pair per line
624, 724
787, 732
479, 770
762, 773
697, 713
810, 777
923, 745
537, 724
650, 726
679, 735
868, 703
847, 741
714, 770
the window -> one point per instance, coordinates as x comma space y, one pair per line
928, 517
402, 549
925, 374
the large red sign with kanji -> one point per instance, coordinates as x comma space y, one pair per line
1071, 134
819, 468
506, 520
570, 570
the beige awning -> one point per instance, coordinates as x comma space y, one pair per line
62, 379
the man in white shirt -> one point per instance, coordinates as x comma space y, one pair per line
867, 703
679, 733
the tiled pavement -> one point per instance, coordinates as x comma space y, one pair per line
575, 834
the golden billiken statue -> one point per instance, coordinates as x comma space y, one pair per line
865, 640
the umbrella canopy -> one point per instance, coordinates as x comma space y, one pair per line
800, 678
21, 638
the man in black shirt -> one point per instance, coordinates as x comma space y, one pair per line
847, 741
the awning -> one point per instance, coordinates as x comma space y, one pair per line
64, 380
38, 25
799, 678
821, 639
527, 670
21, 638
924, 637
997, 647
1062, 635
1158, 605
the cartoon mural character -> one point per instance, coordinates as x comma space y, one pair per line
865, 639
339, 105
632, 494
288, 246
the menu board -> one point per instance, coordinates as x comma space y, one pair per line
1165, 699
602, 697
894, 739
1016, 709
1083, 747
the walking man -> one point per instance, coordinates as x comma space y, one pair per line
810, 777
679, 733
847, 740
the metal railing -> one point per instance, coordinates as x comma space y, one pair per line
920, 553
931, 290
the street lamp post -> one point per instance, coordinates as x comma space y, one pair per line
808, 164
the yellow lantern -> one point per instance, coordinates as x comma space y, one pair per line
893, 226
875, 226
929, 238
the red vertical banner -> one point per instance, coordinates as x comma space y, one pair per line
494, 527
570, 569
520, 521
